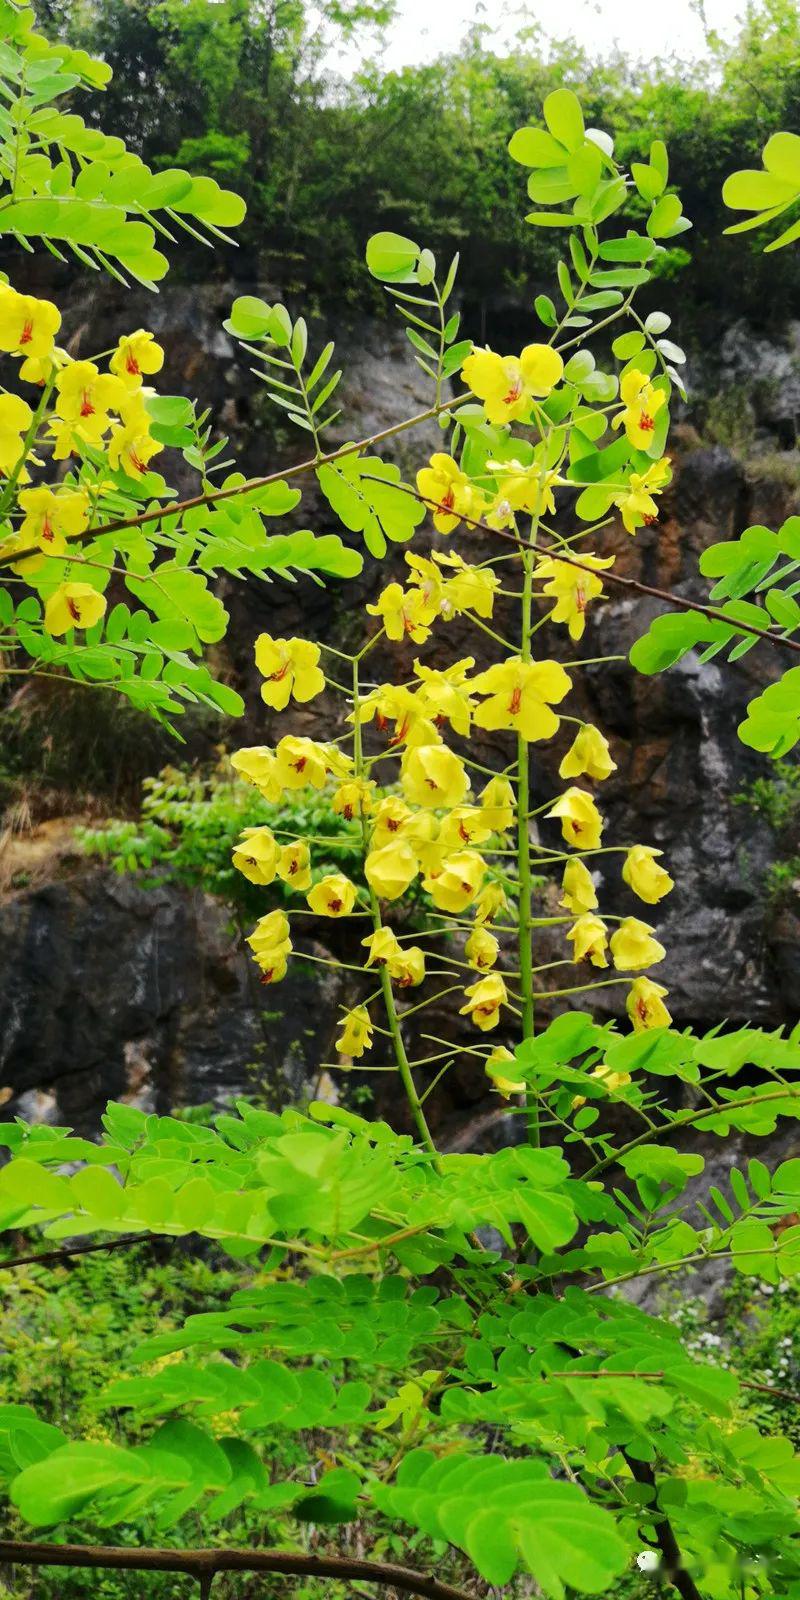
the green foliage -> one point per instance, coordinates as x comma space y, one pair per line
191, 820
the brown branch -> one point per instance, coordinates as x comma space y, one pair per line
672, 1558
51, 1258
201, 1564
176, 508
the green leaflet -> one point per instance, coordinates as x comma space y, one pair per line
367, 496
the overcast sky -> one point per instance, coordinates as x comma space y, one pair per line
426, 28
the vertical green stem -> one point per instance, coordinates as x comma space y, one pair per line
393, 1020
525, 934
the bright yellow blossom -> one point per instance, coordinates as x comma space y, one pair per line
633, 946
299, 763
482, 949
588, 754
389, 818
457, 882
572, 587
581, 822
589, 939
409, 969
333, 896
448, 492
395, 703
73, 605
136, 354
259, 766
519, 488
27, 326
507, 385
390, 871
645, 1005
86, 396
294, 865
131, 448
383, 947
290, 670
405, 613
256, 855
636, 501
271, 945
498, 804
484, 1000
464, 825
423, 834
498, 1059
39, 369
520, 695
433, 776
490, 903
15, 417
353, 798
579, 893
644, 876
444, 693
52, 517
468, 588
406, 964
609, 1080
356, 1034
641, 403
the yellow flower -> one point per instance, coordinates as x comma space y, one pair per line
27, 326
633, 946
73, 605
645, 1005
131, 448
520, 696
465, 825
404, 613
520, 488
271, 945
589, 753
433, 776
636, 501
294, 865
390, 871
256, 855
389, 818
482, 949
356, 1034
38, 369
395, 703
383, 948
499, 1058
457, 883
490, 903
353, 798
409, 969
469, 588
444, 694
581, 822
447, 489
589, 939
300, 762
15, 417
498, 804
337, 763
610, 1081
644, 876
52, 517
484, 1000
572, 587
333, 896
579, 893
507, 385
290, 670
136, 353
423, 834
259, 766
83, 392
641, 405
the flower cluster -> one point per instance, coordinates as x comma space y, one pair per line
97, 420
435, 823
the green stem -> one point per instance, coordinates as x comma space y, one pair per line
395, 1031
525, 935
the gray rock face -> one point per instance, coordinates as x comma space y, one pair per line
112, 988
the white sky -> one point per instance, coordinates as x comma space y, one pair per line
643, 29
